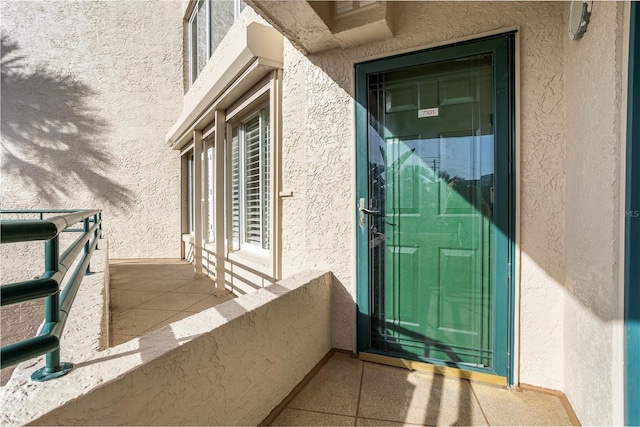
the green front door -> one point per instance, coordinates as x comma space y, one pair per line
434, 205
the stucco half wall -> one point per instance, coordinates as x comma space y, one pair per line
229, 365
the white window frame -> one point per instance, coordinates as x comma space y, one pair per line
237, 10
191, 196
242, 243
193, 72
266, 92
187, 197
210, 173
343, 8
215, 141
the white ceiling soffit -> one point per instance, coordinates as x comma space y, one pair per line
254, 54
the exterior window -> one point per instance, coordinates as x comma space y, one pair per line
209, 23
191, 193
199, 38
343, 7
230, 183
250, 181
210, 193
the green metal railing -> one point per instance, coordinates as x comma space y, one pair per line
57, 301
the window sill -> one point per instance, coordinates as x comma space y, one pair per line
256, 260
253, 260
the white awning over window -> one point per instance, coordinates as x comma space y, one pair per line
254, 54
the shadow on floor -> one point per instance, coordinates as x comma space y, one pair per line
348, 391
147, 294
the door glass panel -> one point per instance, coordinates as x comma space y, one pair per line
431, 171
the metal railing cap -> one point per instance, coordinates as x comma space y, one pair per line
25, 230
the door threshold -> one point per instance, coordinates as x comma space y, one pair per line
435, 369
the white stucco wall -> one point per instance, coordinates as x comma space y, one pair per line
89, 89
593, 97
569, 156
318, 159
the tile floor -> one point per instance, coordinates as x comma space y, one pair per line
348, 391
149, 294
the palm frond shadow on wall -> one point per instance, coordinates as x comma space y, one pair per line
54, 142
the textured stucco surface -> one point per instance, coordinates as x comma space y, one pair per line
318, 159
86, 101
592, 85
568, 170
228, 365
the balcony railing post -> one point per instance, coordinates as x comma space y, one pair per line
52, 316
96, 231
58, 299
87, 246
52, 303
51, 254
51, 265
100, 226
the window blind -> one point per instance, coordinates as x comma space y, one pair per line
252, 190
235, 187
251, 181
266, 176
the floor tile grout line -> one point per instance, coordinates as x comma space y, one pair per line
356, 417
155, 328
359, 392
486, 419
395, 422
193, 293
137, 305
151, 329
319, 412
131, 279
197, 302
371, 418
152, 309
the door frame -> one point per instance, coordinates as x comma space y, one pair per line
632, 228
503, 47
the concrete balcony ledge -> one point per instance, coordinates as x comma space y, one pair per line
228, 365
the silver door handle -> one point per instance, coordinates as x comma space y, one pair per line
363, 210
369, 211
